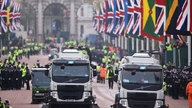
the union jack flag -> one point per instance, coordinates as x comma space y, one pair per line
94, 20
122, 18
110, 16
176, 37
11, 26
137, 17
105, 9
4, 26
113, 19
17, 16
4, 18
101, 22
160, 17
130, 16
183, 21
117, 26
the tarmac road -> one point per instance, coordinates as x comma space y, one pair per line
104, 96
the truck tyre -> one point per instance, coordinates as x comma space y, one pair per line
116, 101
117, 105
51, 106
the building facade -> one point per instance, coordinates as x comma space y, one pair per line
52, 17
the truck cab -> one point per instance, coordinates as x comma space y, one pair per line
71, 81
140, 83
40, 84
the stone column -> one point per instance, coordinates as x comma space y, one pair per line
137, 45
147, 44
72, 18
133, 44
142, 45
153, 44
40, 18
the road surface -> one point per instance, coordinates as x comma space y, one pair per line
104, 96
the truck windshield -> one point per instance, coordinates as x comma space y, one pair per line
145, 77
40, 79
75, 70
142, 80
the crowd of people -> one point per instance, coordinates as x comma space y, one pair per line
108, 60
176, 81
14, 76
13, 73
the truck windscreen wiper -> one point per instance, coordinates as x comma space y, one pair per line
142, 87
71, 80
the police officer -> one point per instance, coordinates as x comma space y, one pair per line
6, 78
3, 78
28, 78
110, 76
10, 77
38, 64
175, 89
19, 76
7, 104
1, 104
168, 80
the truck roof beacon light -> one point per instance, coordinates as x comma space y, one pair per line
142, 67
70, 62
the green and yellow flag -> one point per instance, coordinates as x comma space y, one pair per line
149, 20
149, 17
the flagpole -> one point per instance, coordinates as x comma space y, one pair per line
189, 49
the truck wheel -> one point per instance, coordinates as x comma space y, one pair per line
116, 105
51, 106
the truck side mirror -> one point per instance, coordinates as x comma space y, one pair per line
117, 70
115, 78
94, 72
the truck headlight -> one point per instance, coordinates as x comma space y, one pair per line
87, 94
123, 102
49, 55
159, 104
54, 94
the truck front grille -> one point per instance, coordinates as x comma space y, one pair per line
141, 100
74, 92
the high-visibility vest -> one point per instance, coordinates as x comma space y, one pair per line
108, 75
103, 72
189, 88
169, 47
24, 71
98, 68
104, 59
